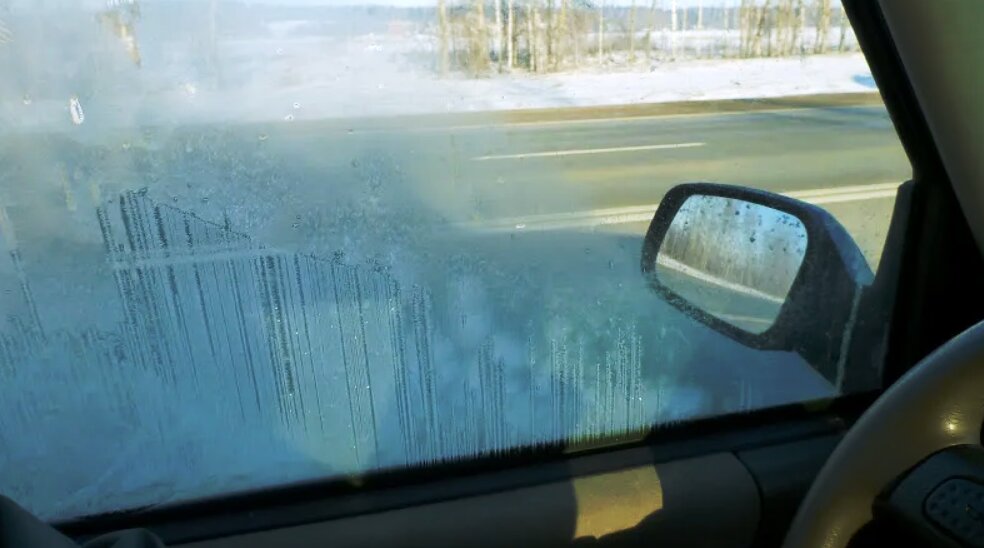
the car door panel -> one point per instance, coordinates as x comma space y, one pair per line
641, 505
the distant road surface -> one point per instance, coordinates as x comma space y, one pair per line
591, 167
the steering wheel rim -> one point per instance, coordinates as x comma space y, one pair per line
939, 403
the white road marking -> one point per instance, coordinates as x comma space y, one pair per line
709, 278
850, 197
578, 152
734, 318
644, 213
816, 193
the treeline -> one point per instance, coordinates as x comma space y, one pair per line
485, 36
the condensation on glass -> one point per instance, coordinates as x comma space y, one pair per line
247, 244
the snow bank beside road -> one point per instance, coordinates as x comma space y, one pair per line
683, 81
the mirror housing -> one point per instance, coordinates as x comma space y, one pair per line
817, 317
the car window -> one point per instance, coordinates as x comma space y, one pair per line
252, 243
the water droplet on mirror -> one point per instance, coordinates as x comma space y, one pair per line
263, 137
296, 105
289, 118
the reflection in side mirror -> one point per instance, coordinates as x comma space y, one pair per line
735, 260
766, 270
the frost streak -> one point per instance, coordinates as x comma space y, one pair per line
318, 366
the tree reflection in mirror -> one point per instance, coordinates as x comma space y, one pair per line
733, 259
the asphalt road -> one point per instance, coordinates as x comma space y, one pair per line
746, 310
479, 173
494, 175
613, 163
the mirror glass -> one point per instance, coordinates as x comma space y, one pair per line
735, 260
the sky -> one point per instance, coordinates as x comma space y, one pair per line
27, 4
407, 3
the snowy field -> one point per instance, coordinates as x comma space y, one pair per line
315, 78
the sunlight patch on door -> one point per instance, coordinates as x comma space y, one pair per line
617, 501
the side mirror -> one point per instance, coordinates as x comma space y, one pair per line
769, 271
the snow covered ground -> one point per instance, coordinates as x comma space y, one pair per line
309, 78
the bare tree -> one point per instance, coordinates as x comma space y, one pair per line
727, 30
700, 26
563, 36
783, 26
497, 34
745, 17
842, 43
823, 27
578, 25
510, 38
632, 31
789, 25
601, 28
762, 30
801, 40
673, 27
445, 36
478, 40
530, 38
770, 15
651, 31
549, 24
121, 20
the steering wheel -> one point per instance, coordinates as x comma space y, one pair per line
914, 457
